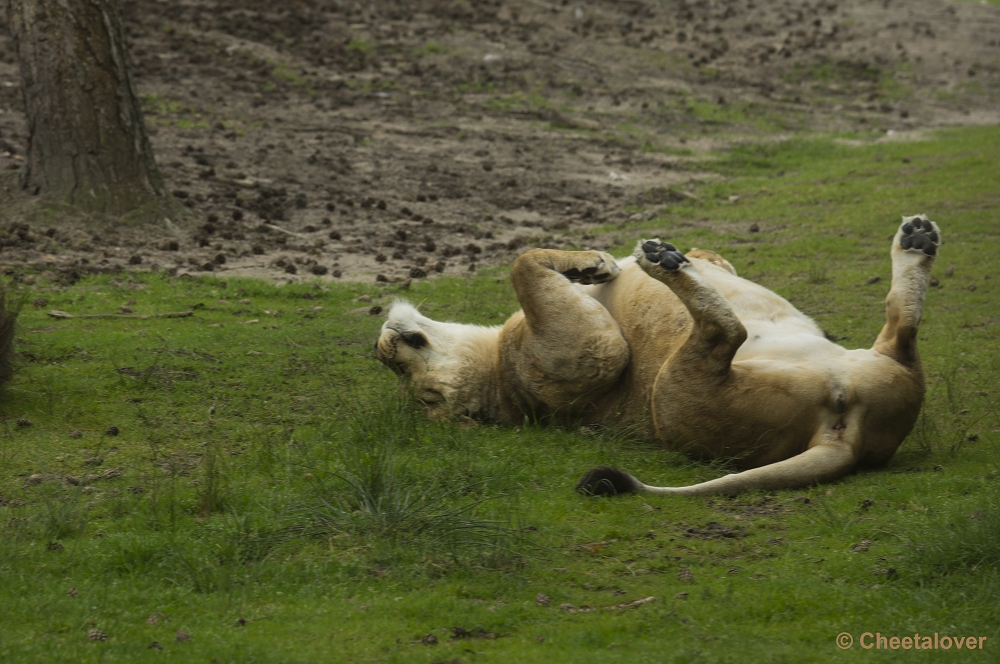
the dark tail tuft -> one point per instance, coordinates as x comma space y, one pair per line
7, 320
607, 481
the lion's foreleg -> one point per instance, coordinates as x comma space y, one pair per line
568, 348
717, 333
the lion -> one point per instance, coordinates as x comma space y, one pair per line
706, 362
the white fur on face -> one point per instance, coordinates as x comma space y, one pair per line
432, 355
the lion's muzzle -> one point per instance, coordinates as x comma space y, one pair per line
386, 352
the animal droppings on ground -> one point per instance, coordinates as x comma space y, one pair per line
863, 545
286, 148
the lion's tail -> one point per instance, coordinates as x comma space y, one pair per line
821, 463
8, 317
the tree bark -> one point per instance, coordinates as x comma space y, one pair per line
87, 144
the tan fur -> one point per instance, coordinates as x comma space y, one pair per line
706, 361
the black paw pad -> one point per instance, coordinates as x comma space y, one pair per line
589, 275
663, 253
919, 234
607, 481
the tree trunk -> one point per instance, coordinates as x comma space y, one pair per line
8, 318
87, 144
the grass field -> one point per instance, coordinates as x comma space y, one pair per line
267, 494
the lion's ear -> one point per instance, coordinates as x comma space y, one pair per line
415, 339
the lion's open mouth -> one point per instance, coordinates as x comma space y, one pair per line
398, 368
385, 351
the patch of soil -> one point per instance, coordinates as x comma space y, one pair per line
474, 633
763, 506
408, 139
713, 530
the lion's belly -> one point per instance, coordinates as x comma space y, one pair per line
766, 340
808, 378
654, 322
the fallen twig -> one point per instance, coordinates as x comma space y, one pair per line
561, 120
107, 474
284, 230
249, 183
87, 479
55, 313
630, 605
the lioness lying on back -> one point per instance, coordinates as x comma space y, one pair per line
710, 362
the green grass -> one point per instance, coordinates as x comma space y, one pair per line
360, 45
280, 500
286, 73
156, 105
432, 48
519, 102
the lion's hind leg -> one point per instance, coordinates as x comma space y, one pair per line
818, 464
712, 257
829, 456
913, 250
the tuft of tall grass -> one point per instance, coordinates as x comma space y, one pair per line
204, 562
374, 487
926, 433
211, 493
818, 274
958, 540
62, 512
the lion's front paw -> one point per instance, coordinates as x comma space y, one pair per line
601, 269
653, 253
919, 234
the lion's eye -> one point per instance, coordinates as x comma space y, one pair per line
414, 339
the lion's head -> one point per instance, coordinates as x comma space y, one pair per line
445, 364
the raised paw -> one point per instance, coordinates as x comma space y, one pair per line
601, 269
664, 254
919, 234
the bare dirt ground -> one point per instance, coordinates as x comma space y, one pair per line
399, 140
